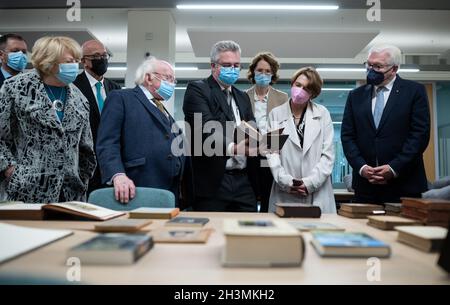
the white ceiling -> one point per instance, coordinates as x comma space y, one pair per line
291, 44
342, 36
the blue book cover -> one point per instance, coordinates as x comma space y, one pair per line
346, 239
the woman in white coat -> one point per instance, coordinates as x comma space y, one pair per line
303, 167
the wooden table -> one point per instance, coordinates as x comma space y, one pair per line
200, 264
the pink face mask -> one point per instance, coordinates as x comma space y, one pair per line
299, 95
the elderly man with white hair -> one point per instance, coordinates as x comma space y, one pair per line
138, 140
385, 130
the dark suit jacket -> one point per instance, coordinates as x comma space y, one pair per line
135, 138
399, 141
206, 98
82, 82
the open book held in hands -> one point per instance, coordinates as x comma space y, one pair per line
273, 141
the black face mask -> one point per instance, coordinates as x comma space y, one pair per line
99, 66
376, 77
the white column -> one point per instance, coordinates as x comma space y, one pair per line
149, 32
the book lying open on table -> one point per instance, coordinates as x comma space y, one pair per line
63, 210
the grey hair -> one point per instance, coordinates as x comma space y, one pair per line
223, 46
148, 66
395, 54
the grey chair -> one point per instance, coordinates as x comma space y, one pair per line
145, 197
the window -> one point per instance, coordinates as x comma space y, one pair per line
443, 123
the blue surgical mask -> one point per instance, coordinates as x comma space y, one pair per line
68, 72
17, 61
229, 75
263, 80
165, 90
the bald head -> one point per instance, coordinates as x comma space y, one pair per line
92, 47
95, 58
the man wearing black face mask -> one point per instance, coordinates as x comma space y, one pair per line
95, 87
385, 130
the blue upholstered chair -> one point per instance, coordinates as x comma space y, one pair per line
145, 197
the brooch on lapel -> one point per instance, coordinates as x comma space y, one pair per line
58, 105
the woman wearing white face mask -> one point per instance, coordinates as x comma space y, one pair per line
46, 144
263, 73
303, 167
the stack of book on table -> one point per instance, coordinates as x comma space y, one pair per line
390, 222
431, 212
261, 243
360, 210
393, 209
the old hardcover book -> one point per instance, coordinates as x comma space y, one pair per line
393, 207
181, 235
273, 140
112, 249
154, 213
122, 225
342, 244
297, 210
261, 243
360, 210
390, 222
358, 215
428, 211
187, 221
425, 238
13, 210
63, 210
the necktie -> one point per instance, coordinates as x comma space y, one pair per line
228, 95
379, 106
160, 106
100, 99
229, 101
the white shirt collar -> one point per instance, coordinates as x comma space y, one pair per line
92, 79
265, 98
148, 95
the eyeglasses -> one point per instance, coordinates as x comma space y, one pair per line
376, 67
167, 78
98, 56
226, 65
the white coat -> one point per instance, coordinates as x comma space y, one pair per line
312, 164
